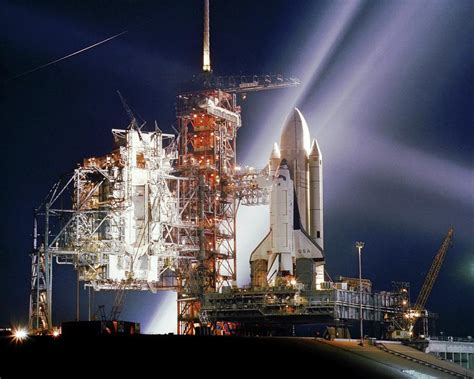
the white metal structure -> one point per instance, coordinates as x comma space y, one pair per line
456, 350
117, 219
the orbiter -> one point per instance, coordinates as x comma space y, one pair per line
293, 249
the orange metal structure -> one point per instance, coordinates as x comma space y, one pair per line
208, 122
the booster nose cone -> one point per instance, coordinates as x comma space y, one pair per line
295, 134
274, 161
275, 152
315, 151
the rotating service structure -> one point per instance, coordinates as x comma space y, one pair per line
116, 219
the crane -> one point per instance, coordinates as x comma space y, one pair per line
406, 321
419, 308
410, 315
433, 273
118, 303
117, 306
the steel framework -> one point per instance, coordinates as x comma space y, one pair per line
157, 213
116, 219
208, 122
289, 304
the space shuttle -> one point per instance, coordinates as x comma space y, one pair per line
293, 250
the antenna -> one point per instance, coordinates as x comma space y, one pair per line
206, 57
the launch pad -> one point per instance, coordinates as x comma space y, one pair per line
287, 305
159, 212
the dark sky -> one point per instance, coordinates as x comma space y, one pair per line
387, 88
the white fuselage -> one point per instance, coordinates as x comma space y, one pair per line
281, 224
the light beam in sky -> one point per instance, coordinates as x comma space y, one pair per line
350, 80
165, 315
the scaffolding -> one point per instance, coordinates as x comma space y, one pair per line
116, 219
156, 213
159, 212
208, 122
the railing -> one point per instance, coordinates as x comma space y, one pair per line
452, 339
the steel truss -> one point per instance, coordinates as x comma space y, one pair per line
208, 122
289, 304
116, 219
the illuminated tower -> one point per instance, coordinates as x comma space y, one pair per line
208, 123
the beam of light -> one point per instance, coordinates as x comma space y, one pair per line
65, 57
252, 223
401, 186
397, 163
164, 317
317, 51
324, 48
343, 111
365, 78
340, 96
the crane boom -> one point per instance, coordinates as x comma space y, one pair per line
433, 273
249, 83
410, 317
117, 307
128, 110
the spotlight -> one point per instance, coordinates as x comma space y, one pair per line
20, 334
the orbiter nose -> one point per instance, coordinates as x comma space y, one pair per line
284, 164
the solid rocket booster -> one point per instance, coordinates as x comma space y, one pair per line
296, 207
316, 193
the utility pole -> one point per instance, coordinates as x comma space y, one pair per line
360, 246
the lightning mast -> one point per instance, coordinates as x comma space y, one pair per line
206, 56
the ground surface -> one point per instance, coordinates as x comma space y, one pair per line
152, 356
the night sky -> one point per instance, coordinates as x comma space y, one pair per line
387, 89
